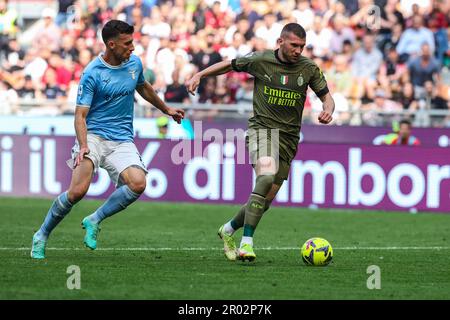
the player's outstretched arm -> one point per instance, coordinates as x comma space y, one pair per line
214, 70
146, 91
326, 115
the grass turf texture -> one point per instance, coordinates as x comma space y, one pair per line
117, 271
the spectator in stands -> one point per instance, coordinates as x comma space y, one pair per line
63, 74
393, 73
410, 10
303, 14
63, 14
137, 21
269, 29
27, 90
208, 95
243, 27
199, 16
176, 92
52, 90
8, 99
214, 16
198, 43
36, 63
238, 48
244, 94
404, 135
165, 58
364, 18
14, 58
406, 97
140, 5
413, 38
373, 112
319, 37
205, 57
365, 65
341, 32
422, 69
49, 34
247, 13
438, 21
85, 56
339, 77
390, 17
434, 97
68, 49
393, 40
8, 26
103, 14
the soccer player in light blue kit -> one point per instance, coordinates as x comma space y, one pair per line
104, 130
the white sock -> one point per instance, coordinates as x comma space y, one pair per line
247, 240
228, 228
40, 235
94, 218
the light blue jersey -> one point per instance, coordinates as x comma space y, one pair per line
109, 93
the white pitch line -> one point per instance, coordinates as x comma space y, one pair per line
215, 249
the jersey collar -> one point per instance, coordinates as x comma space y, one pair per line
100, 56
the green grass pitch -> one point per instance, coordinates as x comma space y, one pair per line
171, 251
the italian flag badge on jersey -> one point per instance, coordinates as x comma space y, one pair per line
284, 79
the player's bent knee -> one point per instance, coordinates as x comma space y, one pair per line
266, 165
265, 161
76, 194
138, 186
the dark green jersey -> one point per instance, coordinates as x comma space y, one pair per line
280, 90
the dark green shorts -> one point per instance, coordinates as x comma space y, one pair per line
264, 144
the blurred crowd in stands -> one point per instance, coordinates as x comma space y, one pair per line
377, 55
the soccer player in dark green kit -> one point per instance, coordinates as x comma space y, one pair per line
281, 78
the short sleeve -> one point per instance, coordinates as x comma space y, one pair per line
246, 63
318, 83
141, 78
86, 90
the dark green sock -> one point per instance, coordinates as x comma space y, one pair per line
248, 230
235, 225
238, 220
253, 213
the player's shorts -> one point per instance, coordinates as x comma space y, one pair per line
113, 156
267, 143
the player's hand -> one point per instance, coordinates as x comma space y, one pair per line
83, 151
325, 117
176, 114
193, 83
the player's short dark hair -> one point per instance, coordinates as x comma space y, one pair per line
114, 28
406, 121
294, 28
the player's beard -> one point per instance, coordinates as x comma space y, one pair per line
294, 59
123, 57
127, 55
289, 57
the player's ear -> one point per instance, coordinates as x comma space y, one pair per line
280, 41
111, 44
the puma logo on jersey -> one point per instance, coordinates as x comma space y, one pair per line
269, 78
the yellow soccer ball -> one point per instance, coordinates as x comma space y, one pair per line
316, 252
